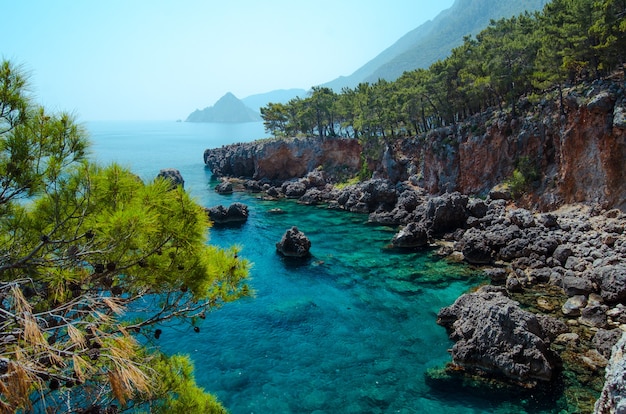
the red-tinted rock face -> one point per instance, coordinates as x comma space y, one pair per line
592, 153
285, 159
579, 157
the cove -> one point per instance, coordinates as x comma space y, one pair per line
351, 330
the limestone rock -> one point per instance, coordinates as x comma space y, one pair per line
225, 187
493, 334
447, 212
604, 340
475, 248
573, 305
613, 397
235, 213
294, 243
414, 235
173, 175
612, 282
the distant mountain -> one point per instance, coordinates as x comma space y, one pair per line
228, 109
278, 96
434, 39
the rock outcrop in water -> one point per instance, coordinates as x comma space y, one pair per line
173, 175
507, 341
235, 213
294, 243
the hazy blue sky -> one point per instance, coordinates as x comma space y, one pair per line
157, 59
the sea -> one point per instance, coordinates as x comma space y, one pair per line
350, 330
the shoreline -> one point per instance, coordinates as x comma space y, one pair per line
542, 265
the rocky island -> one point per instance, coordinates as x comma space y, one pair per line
555, 253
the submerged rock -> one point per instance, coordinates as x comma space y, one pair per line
294, 243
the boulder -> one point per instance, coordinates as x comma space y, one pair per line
494, 335
402, 213
235, 213
500, 192
294, 189
313, 196
522, 218
604, 340
368, 196
413, 235
477, 207
225, 187
548, 220
612, 282
294, 243
447, 212
594, 315
173, 175
475, 248
562, 253
574, 284
573, 305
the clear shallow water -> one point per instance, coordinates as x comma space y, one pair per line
350, 330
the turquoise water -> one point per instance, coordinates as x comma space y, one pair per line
350, 330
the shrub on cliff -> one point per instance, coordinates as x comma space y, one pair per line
80, 244
524, 174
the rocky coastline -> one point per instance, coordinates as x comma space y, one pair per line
555, 257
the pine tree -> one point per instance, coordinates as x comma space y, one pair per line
91, 258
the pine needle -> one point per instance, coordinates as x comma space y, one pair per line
76, 336
114, 305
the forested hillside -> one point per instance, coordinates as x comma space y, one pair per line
434, 39
568, 41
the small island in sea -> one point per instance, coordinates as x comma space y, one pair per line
228, 109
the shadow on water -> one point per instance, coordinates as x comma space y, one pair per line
501, 395
293, 263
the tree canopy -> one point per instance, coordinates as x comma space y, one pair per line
569, 41
91, 259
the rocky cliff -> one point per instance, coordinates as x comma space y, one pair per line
282, 159
556, 304
576, 150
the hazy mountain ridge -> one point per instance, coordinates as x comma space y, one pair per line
278, 96
434, 39
419, 48
228, 109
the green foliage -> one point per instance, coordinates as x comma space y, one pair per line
512, 57
179, 392
523, 176
80, 245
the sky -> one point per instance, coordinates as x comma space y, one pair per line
162, 59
